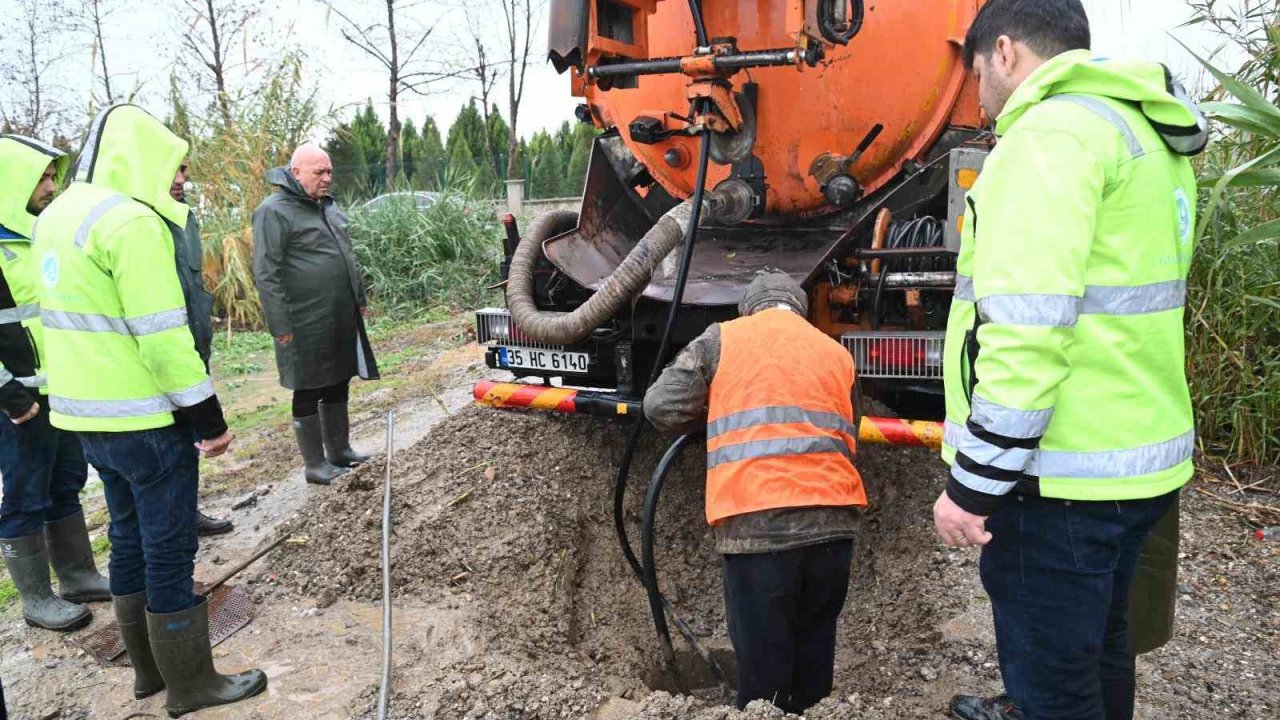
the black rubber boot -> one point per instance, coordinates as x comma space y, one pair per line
72, 558
131, 616
28, 565
206, 526
319, 470
972, 707
336, 425
180, 645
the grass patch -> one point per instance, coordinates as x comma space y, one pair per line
101, 545
8, 594
242, 353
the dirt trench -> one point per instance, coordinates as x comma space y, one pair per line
510, 517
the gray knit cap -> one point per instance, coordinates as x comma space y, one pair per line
770, 287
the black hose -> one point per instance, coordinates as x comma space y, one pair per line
922, 232
646, 555
628, 455
699, 27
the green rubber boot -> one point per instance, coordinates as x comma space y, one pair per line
180, 645
319, 470
336, 425
131, 616
28, 565
72, 558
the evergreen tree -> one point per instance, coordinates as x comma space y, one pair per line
431, 161
548, 167
410, 151
462, 164
350, 166
575, 174
468, 128
370, 135
498, 132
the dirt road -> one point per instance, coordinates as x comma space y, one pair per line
512, 599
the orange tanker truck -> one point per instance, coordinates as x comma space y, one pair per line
831, 139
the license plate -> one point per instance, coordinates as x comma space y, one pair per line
530, 359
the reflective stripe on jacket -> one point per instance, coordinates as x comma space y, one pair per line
119, 354
780, 429
1064, 354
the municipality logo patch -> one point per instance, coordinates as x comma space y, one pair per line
49, 269
1184, 215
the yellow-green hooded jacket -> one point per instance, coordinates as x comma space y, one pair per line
1064, 353
23, 162
119, 354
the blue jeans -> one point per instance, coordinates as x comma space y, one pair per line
150, 482
1058, 575
43, 470
782, 609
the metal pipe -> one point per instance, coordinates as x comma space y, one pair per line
874, 253
384, 692
940, 280
665, 66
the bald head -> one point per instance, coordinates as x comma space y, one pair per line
311, 166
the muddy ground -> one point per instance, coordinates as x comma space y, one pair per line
513, 601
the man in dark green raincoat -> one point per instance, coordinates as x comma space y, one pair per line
314, 299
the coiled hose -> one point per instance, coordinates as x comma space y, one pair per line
628, 280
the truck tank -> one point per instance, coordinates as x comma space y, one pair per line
842, 136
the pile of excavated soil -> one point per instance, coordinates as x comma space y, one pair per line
508, 517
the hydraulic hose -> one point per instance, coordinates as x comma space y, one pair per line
624, 467
618, 289
657, 603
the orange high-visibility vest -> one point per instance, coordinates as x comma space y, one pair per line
780, 429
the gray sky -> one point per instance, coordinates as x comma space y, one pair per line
142, 46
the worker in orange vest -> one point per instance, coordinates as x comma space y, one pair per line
775, 396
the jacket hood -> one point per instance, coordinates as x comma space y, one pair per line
1147, 86
133, 153
22, 163
283, 179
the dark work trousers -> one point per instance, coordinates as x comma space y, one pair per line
782, 609
1058, 574
305, 402
150, 480
43, 470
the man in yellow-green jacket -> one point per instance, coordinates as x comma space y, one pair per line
124, 373
43, 468
1069, 426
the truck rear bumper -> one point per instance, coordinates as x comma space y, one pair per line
514, 396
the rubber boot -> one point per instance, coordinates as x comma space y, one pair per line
131, 616
180, 645
72, 558
28, 565
336, 425
206, 526
972, 707
319, 471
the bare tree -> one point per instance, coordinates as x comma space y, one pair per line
213, 29
410, 71
89, 19
518, 17
487, 75
33, 49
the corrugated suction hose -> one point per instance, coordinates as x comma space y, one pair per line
628, 280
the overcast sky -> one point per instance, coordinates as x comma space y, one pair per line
142, 44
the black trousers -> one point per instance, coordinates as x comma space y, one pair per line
782, 609
306, 402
